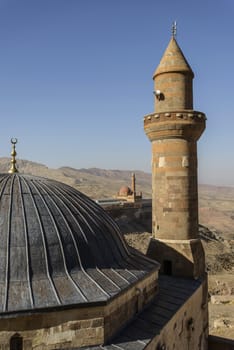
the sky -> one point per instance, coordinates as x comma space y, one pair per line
76, 79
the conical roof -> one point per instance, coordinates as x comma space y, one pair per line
173, 60
59, 248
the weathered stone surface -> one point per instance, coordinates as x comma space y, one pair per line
177, 318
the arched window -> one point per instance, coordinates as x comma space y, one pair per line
16, 342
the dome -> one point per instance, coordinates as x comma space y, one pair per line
125, 191
59, 248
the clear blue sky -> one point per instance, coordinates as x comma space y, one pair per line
76, 79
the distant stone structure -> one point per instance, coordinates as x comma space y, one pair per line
129, 194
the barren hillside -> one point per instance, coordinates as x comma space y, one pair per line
216, 204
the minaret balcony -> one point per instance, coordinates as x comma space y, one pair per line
186, 124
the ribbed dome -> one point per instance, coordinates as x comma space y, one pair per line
59, 248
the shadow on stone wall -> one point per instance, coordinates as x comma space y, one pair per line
172, 262
219, 343
185, 259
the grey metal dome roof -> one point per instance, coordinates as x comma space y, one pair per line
59, 248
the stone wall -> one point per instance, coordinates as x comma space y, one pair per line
177, 91
129, 304
188, 328
56, 329
181, 258
77, 326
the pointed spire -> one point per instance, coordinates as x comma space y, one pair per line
173, 79
13, 168
173, 59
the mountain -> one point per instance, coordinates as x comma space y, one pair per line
96, 183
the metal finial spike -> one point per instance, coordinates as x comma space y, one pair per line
13, 168
174, 29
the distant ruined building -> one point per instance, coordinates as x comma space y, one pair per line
68, 280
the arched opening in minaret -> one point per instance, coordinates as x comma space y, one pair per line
16, 342
167, 267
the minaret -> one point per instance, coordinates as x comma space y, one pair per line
173, 130
133, 186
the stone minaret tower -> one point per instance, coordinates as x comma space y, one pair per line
133, 186
173, 130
